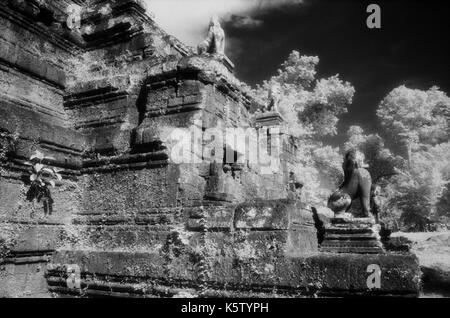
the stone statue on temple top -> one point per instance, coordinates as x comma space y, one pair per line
215, 41
357, 185
274, 98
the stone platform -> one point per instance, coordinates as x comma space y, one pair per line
125, 274
255, 249
352, 235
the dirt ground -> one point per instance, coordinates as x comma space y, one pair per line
433, 252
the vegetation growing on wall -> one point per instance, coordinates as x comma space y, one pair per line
42, 178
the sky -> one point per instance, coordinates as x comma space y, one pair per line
412, 47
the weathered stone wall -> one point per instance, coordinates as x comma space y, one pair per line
33, 55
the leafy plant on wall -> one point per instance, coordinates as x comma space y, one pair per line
42, 178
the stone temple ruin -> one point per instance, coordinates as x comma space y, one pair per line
98, 94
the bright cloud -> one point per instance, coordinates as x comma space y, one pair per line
188, 20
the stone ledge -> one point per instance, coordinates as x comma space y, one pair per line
205, 69
32, 64
319, 274
34, 239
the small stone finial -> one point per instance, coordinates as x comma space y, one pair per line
215, 41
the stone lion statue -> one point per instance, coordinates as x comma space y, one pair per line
215, 41
357, 184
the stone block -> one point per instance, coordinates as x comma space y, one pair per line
174, 102
272, 214
210, 217
189, 87
24, 281
192, 99
37, 238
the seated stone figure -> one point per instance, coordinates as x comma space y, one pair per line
215, 41
357, 184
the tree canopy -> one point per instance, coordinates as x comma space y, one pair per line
408, 158
310, 106
419, 120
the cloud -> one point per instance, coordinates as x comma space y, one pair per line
188, 20
244, 22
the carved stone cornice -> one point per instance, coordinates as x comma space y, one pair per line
110, 22
131, 8
208, 70
27, 13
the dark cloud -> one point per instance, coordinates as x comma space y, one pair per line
188, 19
242, 22
412, 47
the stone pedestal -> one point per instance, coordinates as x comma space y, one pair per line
272, 118
352, 235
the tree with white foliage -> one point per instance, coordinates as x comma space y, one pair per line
419, 121
413, 117
311, 108
381, 162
